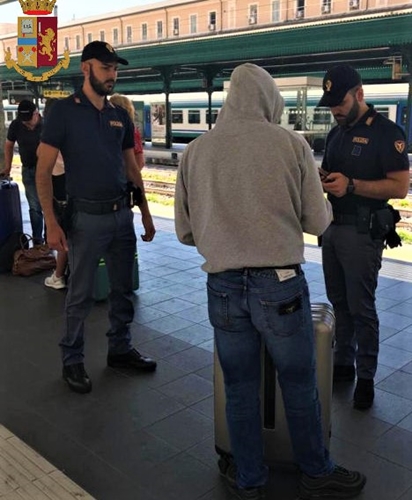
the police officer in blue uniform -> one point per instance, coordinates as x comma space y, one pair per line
96, 141
365, 164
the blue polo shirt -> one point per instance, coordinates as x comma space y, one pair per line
92, 144
368, 150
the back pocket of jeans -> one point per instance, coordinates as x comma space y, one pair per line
218, 307
283, 318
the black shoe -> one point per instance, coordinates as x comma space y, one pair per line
132, 359
227, 469
343, 373
341, 483
364, 394
77, 378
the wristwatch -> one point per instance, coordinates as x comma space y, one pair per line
350, 188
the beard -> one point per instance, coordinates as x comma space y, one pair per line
101, 88
351, 117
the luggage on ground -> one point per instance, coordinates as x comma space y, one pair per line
11, 223
101, 282
11, 220
277, 444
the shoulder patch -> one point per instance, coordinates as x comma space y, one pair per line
399, 146
361, 140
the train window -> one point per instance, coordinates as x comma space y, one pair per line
383, 110
321, 116
194, 116
292, 116
214, 115
177, 116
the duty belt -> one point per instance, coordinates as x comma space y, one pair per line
100, 207
345, 219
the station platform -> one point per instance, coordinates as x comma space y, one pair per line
150, 437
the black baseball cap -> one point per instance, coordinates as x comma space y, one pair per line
336, 83
25, 110
103, 52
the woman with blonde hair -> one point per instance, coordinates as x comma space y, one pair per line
125, 103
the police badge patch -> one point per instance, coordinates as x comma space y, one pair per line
399, 146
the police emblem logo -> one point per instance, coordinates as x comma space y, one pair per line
328, 86
399, 146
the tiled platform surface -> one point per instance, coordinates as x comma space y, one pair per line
151, 436
25, 475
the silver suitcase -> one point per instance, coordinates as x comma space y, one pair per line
278, 448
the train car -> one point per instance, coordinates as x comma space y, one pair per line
190, 114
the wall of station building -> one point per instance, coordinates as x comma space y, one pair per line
190, 18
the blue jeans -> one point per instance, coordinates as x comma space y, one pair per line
35, 211
246, 306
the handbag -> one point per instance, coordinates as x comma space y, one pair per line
32, 260
8, 248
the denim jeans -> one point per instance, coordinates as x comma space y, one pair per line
35, 211
245, 307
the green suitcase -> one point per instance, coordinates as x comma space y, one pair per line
101, 281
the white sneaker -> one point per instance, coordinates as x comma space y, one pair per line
54, 282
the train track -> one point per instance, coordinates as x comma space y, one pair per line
167, 189
162, 188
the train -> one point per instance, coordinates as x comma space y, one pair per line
190, 114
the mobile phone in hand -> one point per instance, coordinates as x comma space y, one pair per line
323, 174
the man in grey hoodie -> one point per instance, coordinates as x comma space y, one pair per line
245, 193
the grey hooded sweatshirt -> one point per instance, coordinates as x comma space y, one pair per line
248, 189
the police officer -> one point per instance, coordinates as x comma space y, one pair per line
96, 141
365, 164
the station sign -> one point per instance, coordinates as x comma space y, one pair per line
59, 94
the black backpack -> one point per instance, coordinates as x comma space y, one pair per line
14, 242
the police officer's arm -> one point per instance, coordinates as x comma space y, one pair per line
396, 185
133, 174
46, 159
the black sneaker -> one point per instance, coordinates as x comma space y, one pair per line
343, 373
77, 379
364, 394
341, 483
227, 469
131, 359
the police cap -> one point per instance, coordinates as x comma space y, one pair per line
336, 83
103, 52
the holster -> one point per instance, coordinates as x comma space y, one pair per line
383, 226
134, 195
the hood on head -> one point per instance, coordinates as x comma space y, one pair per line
253, 94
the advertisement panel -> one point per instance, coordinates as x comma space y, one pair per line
158, 121
139, 116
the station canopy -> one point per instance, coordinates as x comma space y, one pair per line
368, 42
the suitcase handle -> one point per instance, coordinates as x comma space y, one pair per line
6, 183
